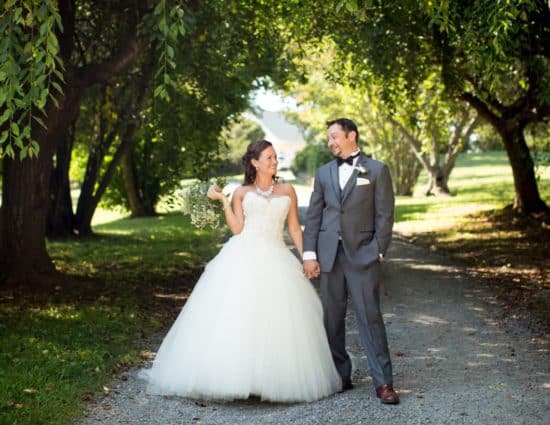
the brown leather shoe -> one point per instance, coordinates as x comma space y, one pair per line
387, 394
346, 385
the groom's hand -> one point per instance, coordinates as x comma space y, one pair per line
311, 268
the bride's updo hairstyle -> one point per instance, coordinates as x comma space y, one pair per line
253, 151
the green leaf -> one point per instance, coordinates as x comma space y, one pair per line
57, 87
14, 128
54, 100
39, 121
158, 89
9, 151
4, 136
351, 5
170, 51
23, 152
7, 113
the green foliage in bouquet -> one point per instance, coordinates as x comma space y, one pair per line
202, 211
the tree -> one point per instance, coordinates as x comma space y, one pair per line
54, 52
436, 129
493, 57
321, 97
235, 138
156, 143
26, 183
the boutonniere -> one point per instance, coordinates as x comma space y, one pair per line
361, 169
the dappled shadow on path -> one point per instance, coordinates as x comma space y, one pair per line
445, 339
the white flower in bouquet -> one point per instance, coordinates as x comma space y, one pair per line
202, 211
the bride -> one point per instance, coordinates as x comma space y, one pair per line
253, 324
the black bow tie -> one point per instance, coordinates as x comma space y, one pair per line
348, 160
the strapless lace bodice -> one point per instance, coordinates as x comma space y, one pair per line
265, 216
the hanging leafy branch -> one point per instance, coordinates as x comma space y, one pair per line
30, 67
32, 70
170, 25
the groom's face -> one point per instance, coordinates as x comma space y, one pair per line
340, 143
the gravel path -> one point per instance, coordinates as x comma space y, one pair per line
454, 363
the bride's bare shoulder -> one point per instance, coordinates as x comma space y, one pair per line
240, 191
285, 188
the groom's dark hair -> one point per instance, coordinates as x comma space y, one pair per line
347, 125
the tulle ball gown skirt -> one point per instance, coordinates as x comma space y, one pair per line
253, 325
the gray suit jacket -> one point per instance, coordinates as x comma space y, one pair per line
361, 215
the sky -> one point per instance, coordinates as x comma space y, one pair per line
271, 101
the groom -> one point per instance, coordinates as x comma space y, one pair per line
347, 231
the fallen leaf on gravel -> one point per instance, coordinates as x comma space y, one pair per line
399, 354
87, 396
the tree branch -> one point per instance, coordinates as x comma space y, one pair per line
415, 145
110, 69
480, 107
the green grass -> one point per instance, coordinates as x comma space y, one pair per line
60, 345
479, 182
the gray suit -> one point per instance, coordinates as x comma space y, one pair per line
349, 229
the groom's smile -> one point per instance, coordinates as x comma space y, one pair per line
339, 142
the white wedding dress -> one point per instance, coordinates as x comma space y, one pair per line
253, 324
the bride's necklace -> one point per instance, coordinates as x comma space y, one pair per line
265, 193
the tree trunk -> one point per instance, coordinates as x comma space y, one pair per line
527, 199
135, 201
437, 182
26, 188
60, 218
23, 250
510, 124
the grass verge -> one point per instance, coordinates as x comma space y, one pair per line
61, 343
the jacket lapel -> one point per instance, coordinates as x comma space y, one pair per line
334, 179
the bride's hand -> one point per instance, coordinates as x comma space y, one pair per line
214, 193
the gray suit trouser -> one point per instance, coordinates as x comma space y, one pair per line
364, 288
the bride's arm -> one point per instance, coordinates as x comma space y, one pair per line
234, 216
294, 228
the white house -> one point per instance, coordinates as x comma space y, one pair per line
286, 137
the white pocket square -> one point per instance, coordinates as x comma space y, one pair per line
362, 182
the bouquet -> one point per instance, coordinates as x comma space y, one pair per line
203, 211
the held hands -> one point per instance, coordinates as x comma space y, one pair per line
311, 269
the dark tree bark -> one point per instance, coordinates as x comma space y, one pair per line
60, 220
135, 200
26, 188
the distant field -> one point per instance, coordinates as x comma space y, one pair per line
479, 182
